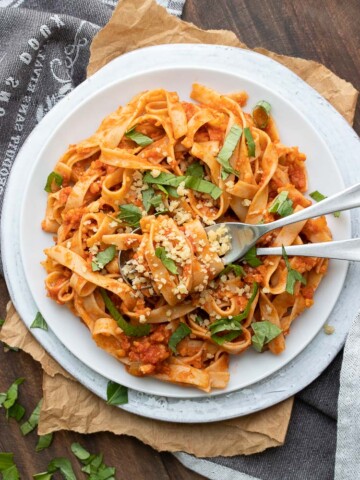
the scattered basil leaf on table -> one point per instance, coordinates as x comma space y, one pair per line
53, 177
93, 464
116, 394
128, 328
8, 468
261, 113
44, 441
130, 214
282, 205
32, 421
317, 196
17, 411
168, 263
79, 451
251, 257
39, 322
11, 395
264, 332
180, 333
103, 258
43, 476
64, 466
249, 141
293, 275
138, 138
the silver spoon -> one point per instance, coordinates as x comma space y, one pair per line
244, 236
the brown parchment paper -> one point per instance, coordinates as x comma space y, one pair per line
67, 404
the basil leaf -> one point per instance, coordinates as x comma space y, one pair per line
228, 337
130, 214
261, 114
172, 192
53, 177
17, 411
64, 465
231, 140
250, 142
43, 476
39, 322
198, 320
282, 205
164, 179
138, 138
231, 267
195, 170
147, 195
180, 333
264, 332
162, 189
293, 275
251, 258
44, 441
33, 420
128, 329
79, 451
12, 394
168, 263
8, 468
116, 394
203, 186
317, 196
103, 258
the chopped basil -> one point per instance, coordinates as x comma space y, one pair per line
93, 464
8, 399
150, 199
79, 451
264, 332
282, 205
251, 258
198, 320
317, 196
250, 142
232, 324
64, 465
39, 322
162, 189
116, 394
53, 177
231, 140
261, 114
236, 269
33, 420
195, 170
138, 138
17, 411
168, 263
172, 192
293, 275
43, 476
128, 329
44, 442
103, 258
192, 182
180, 333
8, 468
130, 214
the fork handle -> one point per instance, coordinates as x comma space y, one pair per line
341, 250
345, 200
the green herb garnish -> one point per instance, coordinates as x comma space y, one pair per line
44, 442
8, 468
250, 142
130, 214
168, 263
128, 329
195, 170
261, 114
264, 332
251, 257
9, 398
180, 333
103, 258
17, 411
231, 140
150, 199
116, 394
93, 464
138, 138
53, 177
39, 322
293, 275
203, 186
232, 267
33, 420
317, 196
282, 205
58, 464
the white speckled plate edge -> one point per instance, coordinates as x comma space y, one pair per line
345, 146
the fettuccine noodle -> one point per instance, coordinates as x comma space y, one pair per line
147, 183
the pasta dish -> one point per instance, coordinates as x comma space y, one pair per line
147, 183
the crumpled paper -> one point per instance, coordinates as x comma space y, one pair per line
67, 404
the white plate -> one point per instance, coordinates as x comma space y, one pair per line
304, 119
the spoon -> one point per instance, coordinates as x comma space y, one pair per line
244, 236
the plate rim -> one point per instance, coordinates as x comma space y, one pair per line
109, 66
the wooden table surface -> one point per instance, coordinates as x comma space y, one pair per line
327, 31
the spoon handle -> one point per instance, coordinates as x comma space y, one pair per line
345, 200
341, 250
